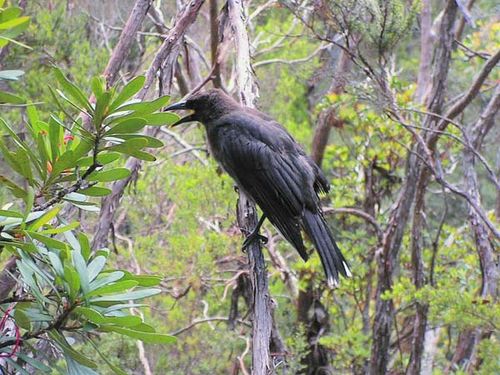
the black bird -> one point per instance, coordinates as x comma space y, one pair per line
267, 164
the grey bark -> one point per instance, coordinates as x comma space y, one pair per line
466, 351
328, 117
127, 37
246, 210
415, 176
426, 43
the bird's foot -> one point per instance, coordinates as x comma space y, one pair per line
254, 236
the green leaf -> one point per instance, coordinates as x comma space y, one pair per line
81, 268
122, 306
113, 288
55, 137
162, 118
84, 245
96, 317
22, 319
16, 190
152, 142
95, 191
129, 90
150, 338
48, 216
142, 155
110, 175
28, 278
98, 86
131, 125
76, 368
72, 90
73, 280
13, 23
101, 109
61, 229
6, 97
144, 108
102, 159
69, 351
136, 294
56, 263
23, 162
9, 13
95, 267
48, 241
104, 279
11, 75
6, 213
129, 145
65, 162
147, 281
35, 363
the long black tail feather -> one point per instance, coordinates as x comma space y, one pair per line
331, 257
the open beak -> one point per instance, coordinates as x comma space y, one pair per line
178, 106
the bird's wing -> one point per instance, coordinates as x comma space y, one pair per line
264, 162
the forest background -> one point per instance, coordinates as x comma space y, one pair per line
396, 100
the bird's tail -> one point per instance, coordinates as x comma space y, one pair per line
332, 259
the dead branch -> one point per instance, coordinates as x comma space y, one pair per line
127, 37
195, 322
471, 93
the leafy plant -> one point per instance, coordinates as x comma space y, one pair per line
11, 25
66, 292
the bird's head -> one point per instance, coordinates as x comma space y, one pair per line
206, 106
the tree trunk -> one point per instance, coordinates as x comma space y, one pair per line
466, 350
328, 118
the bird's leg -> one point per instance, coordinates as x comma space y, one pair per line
254, 235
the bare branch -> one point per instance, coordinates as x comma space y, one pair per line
291, 62
471, 93
127, 37
359, 213
195, 322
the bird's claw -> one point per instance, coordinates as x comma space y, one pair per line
253, 237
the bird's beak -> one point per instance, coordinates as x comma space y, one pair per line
189, 118
178, 106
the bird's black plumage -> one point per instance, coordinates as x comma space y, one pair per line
267, 163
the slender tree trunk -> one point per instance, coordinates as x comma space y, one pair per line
426, 44
466, 350
328, 117
127, 38
416, 183
461, 23
262, 325
420, 319
214, 42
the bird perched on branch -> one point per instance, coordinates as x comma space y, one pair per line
270, 167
